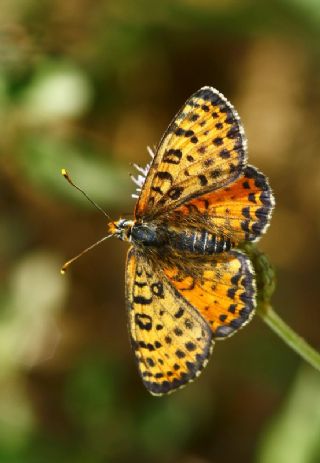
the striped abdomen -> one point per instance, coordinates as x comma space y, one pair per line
198, 242
188, 240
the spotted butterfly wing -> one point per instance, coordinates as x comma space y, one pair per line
222, 289
175, 313
203, 149
171, 340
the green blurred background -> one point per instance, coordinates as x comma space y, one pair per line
87, 85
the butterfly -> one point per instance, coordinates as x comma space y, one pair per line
187, 283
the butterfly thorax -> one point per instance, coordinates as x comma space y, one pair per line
167, 237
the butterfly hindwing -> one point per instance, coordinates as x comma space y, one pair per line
171, 340
203, 149
240, 211
221, 289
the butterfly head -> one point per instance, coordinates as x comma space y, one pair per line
121, 229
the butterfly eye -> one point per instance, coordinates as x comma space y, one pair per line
128, 232
123, 229
120, 223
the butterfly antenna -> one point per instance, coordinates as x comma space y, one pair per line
68, 178
69, 262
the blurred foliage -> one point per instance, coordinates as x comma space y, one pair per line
87, 85
290, 438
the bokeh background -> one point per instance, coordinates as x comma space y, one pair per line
87, 85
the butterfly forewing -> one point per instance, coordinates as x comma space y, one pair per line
203, 149
171, 340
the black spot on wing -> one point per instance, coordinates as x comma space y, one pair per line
178, 332
179, 313
203, 180
202, 149
157, 289
252, 197
217, 141
142, 300
175, 192
225, 154
246, 212
233, 132
190, 346
143, 321
194, 117
208, 162
164, 176
172, 156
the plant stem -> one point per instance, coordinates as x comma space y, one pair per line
290, 337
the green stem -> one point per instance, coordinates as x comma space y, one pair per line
290, 337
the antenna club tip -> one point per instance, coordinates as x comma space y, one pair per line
63, 271
64, 172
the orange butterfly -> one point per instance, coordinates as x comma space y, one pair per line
187, 284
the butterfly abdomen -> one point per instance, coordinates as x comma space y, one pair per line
198, 242
191, 241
